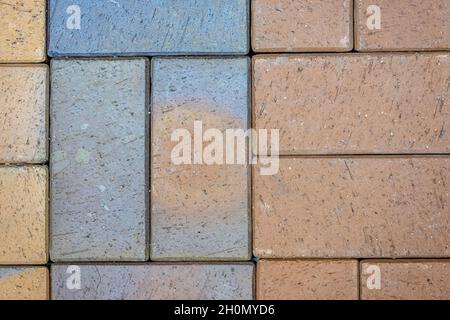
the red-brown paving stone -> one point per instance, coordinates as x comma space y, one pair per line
354, 103
307, 279
302, 26
405, 279
403, 25
23, 215
19, 283
23, 113
353, 207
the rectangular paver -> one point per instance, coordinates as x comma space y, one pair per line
398, 25
405, 280
307, 280
23, 215
133, 27
354, 103
99, 152
22, 31
199, 211
153, 282
353, 207
302, 26
19, 283
23, 113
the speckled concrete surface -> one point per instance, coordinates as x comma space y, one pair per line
156, 282
23, 215
23, 113
353, 207
154, 27
354, 104
22, 31
17, 283
405, 25
302, 26
99, 150
307, 280
406, 280
199, 212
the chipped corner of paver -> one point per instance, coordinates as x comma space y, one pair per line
153, 281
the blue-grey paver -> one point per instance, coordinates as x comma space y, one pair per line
98, 163
153, 281
147, 27
200, 211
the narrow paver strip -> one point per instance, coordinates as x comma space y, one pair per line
157, 27
29, 283
153, 282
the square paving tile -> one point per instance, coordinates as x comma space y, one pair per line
153, 282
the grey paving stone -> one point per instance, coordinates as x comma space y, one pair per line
118, 27
199, 211
99, 150
153, 282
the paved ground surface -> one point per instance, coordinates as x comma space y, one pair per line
93, 205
